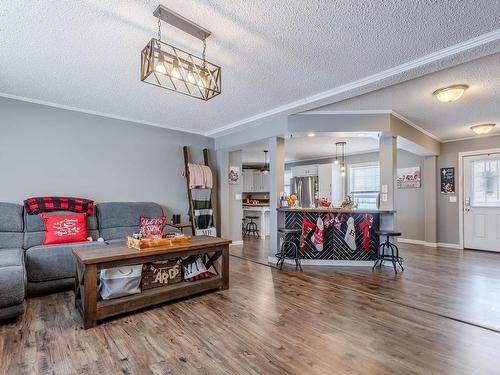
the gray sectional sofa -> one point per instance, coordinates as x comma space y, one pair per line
29, 268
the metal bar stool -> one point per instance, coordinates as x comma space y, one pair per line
393, 256
288, 249
251, 228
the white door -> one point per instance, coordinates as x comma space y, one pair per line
482, 202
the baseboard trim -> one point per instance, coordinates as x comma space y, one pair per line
326, 262
236, 243
417, 242
449, 245
429, 244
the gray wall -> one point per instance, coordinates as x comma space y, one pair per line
448, 222
409, 202
50, 151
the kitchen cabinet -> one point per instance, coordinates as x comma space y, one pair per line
254, 181
247, 181
305, 171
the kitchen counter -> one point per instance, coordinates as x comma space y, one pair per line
262, 211
348, 237
335, 210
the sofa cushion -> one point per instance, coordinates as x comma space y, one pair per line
11, 217
11, 240
11, 257
119, 219
12, 277
36, 238
35, 223
53, 262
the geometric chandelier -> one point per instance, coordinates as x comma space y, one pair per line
172, 68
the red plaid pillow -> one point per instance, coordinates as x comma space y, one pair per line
152, 227
65, 228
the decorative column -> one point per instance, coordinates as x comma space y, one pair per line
277, 181
388, 154
430, 184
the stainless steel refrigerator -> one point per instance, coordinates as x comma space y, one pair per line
306, 190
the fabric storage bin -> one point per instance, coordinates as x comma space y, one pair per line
120, 281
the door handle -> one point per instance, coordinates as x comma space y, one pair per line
467, 209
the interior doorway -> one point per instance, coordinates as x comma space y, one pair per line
481, 201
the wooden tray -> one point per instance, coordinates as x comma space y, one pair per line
160, 242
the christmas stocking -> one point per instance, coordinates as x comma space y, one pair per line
339, 219
350, 234
307, 227
317, 237
365, 226
328, 220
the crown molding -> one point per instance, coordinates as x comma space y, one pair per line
472, 137
96, 113
366, 81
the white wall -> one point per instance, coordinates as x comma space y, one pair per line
49, 151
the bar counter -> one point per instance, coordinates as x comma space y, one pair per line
340, 247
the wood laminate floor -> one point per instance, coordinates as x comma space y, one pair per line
320, 321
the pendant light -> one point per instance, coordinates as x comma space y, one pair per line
174, 69
265, 169
340, 156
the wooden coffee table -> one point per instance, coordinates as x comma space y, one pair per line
90, 260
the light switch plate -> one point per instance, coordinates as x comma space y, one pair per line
384, 197
453, 199
237, 197
384, 188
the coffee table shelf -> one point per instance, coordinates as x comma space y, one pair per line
90, 261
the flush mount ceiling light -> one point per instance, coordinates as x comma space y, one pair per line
172, 68
450, 94
311, 134
482, 128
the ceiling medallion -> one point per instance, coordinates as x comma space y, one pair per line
174, 69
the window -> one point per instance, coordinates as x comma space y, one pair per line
364, 182
486, 182
288, 179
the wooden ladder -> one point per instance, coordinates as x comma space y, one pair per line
213, 194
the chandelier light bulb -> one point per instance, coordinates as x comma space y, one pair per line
336, 162
342, 168
160, 68
190, 76
342, 174
176, 73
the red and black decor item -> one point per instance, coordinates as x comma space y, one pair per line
37, 205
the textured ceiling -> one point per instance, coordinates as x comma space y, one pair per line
414, 100
85, 54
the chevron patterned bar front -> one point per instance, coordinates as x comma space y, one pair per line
335, 246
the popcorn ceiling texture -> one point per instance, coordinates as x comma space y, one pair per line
86, 54
448, 121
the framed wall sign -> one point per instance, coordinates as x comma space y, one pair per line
447, 180
409, 178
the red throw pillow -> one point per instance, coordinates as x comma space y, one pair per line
152, 227
65, 228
